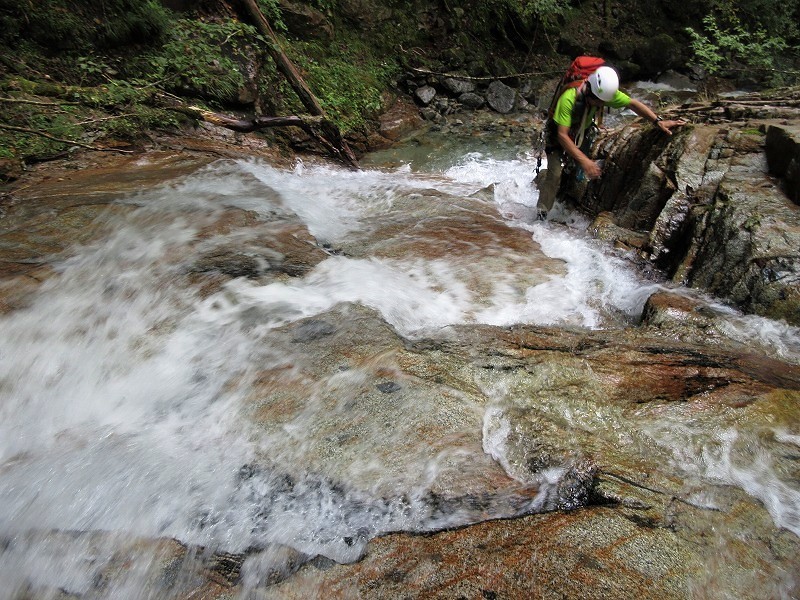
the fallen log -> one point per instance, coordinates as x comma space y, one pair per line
310, 124
328, 131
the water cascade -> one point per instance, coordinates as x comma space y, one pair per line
235, 365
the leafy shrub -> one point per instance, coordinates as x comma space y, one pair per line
780, 19
718, 47
272, 12
132, 22
526, 12
345, 77
83, 24
202, 59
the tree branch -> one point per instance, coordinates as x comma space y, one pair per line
36, 102
310, 125
63, 141
329, 136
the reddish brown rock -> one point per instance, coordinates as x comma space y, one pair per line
400, 119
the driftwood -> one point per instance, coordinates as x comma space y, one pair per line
325, 133
282, 61
706, 106
461, 77
781, 105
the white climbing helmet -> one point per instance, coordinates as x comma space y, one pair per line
604, 83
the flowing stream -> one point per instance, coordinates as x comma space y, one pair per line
125, 388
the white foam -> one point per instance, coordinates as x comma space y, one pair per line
410, 295
123, 392
732, 456
512, 179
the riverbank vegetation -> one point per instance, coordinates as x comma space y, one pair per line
81, 74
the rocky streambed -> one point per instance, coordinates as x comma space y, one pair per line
292, 381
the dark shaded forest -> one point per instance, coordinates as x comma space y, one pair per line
80, 73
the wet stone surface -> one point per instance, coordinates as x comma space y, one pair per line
656, 460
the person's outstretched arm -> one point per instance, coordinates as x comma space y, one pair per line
645, 112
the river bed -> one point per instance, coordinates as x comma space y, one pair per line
227, 366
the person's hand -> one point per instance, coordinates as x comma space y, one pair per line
591, 169
666, 126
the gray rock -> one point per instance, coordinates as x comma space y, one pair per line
677, 81
716, 220
783, 157
313, 329
425, 94
500, 97
527, 90
658, 54
471, 100
429, 113
457, 87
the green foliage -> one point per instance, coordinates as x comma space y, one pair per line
131, 21
115, 111
542, 10
272, 12
50, 24
761, 35
715, 49
131, 125
780, 19
83, 24
328, 6
346, 78
59, 123
201, 58
526, 12
346, 91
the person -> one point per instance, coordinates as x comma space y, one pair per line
574, 117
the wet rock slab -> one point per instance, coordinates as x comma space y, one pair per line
46, 218
644, 447
715, 216
55, 210
629, 402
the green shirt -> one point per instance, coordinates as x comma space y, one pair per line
566, 106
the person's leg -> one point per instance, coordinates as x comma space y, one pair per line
548, 181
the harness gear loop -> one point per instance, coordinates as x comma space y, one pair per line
581, 130
539, 150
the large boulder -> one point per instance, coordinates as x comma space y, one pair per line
402, 118
425, 94
305, 21
715, 218
456, 87
500, 97
658, 54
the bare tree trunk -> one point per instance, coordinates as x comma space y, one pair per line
329, 129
